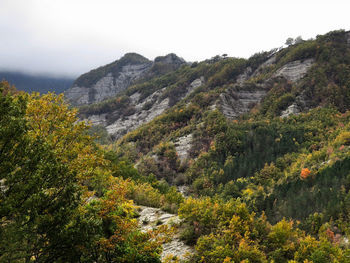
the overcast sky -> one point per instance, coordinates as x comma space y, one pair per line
70, 37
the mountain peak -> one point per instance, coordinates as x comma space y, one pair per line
170, 59
133, 58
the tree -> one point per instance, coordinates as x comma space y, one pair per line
49, 168
289, 41
298, 40
39, 193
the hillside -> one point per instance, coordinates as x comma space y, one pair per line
109, 80
42, 84
228, 159
271, 130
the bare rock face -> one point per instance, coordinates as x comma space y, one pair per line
195, 84
292, 109
129, 123
235, 103
244, 76
182, 146
151, 218
145, 111
107, 81
106, 87
295, 70
270, 61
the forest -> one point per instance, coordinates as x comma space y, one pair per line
261, 187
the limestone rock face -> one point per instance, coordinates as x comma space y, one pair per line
295, 70
244, 76
292, 109
182, 146
142, 114
235, 103
106, 82
151, 217
195, 84
106, 87
129, 123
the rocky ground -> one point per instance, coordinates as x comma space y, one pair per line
151, 217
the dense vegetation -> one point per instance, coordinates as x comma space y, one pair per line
263, 188
62, 198
279, 169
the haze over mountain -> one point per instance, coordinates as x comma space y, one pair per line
57, 37
38, 83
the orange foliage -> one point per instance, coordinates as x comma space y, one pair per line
305, 173
330, 234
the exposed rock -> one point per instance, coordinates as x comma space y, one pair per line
77, 95
292, 109
143, 113
194, 84
97, 119
184, 190
182, 146
295, 70
298, 106
270, 61
235, 103
244, 76
129, 123
108, 86
170, 59
151, 217
3, 186
107, 81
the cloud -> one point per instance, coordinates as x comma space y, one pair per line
72, 37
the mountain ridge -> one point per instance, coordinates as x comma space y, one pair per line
109, 80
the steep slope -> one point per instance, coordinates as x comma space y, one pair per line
107, 81
259, 147
224, 136
224, 126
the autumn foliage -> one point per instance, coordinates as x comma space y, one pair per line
305, 173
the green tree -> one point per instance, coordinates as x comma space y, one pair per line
39, 193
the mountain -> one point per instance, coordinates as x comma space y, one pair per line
225, 125
107, 81
253, 155
42, 84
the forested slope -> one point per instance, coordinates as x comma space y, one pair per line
260, 147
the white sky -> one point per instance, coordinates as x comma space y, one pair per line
70, 37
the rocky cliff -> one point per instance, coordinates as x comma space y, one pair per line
133, 91
107, 81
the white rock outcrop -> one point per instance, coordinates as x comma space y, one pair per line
108, 86
142, 114
194, 84
182, 146
152, 217
292, 109
129, 123
236, 103
295, 70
